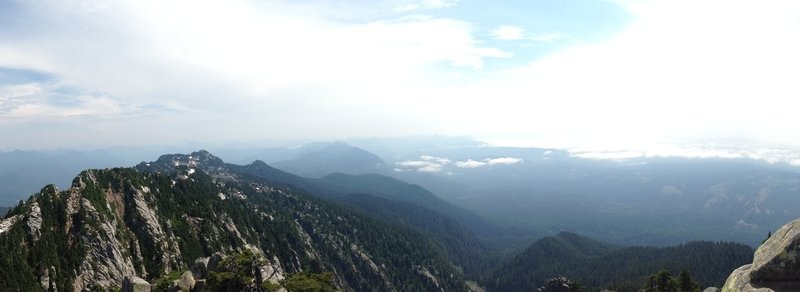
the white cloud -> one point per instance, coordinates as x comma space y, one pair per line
715, 74
503, 161
12, 91
420, 165
433, 167
427, 163
547, 37
515, 33
658, 81
439, 3
427, 4
264, 47
262, 62
13, 96
440, 160
469, 163
38, 101
413, 163
508, 33
773, 155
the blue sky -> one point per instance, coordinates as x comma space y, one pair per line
625, 74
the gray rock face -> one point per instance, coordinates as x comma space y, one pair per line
711, 289
105, 262
778, 259
135, 284
6, 224
272, 271
200, 268
45, 279
35, 221
214, 260
186, 282
739, 280
775, 267
152, 229
108, 259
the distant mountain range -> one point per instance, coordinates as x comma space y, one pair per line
534, 192
652, 201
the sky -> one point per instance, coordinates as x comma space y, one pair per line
593, 74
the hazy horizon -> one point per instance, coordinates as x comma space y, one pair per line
589, 75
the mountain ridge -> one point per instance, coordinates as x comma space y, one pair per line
386, 195
147, 222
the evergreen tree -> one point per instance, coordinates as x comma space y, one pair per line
661, 282
685, 282
769, 234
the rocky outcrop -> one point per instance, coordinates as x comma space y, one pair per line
212, 265
148, 226
778, 259
135, 284
6, 224
186, 282
271, 271
44, 280
200, 268
257, 268
425, 272
560, 284
711, 289
775, 267
105, 261
35, 221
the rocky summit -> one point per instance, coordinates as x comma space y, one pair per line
775, 267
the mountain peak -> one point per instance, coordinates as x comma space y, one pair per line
169, 162
332, 158
259, 163
206, 157
338, 146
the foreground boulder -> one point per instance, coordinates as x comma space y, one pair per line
775, 267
